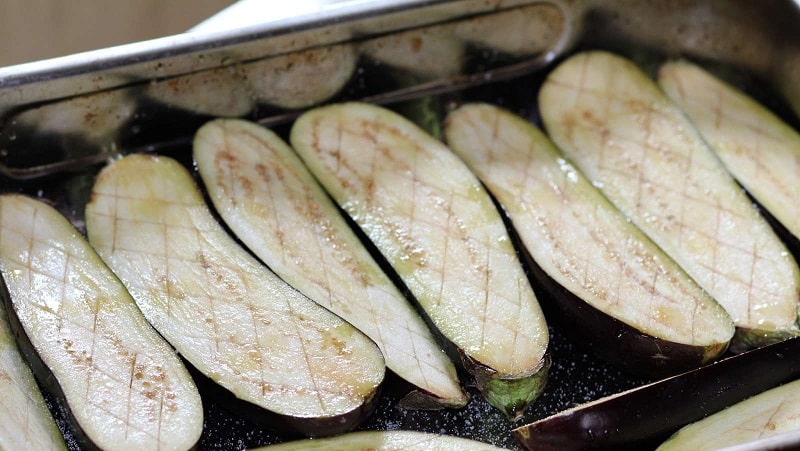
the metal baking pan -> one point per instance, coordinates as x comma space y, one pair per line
61, 119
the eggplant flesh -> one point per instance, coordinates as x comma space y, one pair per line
767, 414
385, 441
122, 384
760, 150
437, 227
272, 203
25, 421
226, 313
638, 148
586, 245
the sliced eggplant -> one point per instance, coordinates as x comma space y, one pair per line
385, 441
25, 422
437, 227
586, 246
123, 385
767, 414
227, 314
272, 203
623, 133
643, 417
758, 148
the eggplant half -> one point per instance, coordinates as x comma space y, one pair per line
760, 150
437, 227
585, 246
611, 120
228, 315
122, 384
385, 441
25, 422
774, 412
272, 203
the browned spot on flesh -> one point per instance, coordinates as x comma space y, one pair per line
416, 44
589, 117
4, 376
263, 172
226, 158
201, 258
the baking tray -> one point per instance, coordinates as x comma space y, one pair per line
62, 119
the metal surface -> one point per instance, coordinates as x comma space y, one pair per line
61, 119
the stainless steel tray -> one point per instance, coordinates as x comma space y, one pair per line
61, 119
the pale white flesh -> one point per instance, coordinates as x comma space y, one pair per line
758, 148
577, 237
435, 224
767, 414
272, 203
25, 421
226, 313
613, 122
124, 385
385, 441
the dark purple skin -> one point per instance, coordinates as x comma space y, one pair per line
647, 415
287, 426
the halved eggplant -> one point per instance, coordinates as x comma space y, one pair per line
758, 148
437, 227
643, 417
25, 422
227, 314
123, 385
766, 414
614, 123
385, 441
585, 245
272, 203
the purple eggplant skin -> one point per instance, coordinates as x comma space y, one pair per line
286, 426
645, 416
43, 374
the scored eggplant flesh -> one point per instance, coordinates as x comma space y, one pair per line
770, 413
226, 313
437, 227
25, 421
123, 385
639, 149
758, 148
587, 246
385, 441
268, 198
